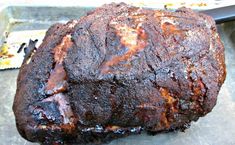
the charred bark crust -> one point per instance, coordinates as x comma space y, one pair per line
118, 71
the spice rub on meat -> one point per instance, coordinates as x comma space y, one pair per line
118, 71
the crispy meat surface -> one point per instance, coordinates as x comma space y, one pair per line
118, 71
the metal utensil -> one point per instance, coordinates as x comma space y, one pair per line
222, 14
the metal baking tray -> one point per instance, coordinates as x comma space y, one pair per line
23, 23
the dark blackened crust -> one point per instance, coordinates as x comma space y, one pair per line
118, 71
31, 84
